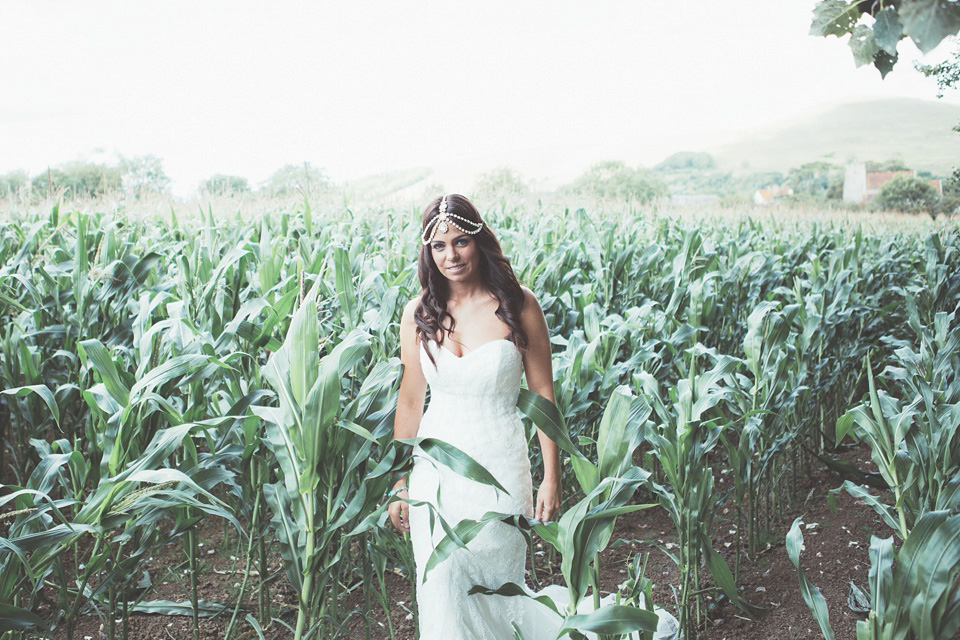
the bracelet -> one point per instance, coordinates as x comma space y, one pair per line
396, 491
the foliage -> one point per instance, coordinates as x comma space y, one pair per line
926, 22
950, 202
689, 172
142, 174
946, 73
908, 194
222, 184
614, 179
79, 179
698, 160
296, 179
13, 181
503, 183
818, 179
892, 164
145, 368
914, 591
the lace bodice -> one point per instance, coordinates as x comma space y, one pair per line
476, 380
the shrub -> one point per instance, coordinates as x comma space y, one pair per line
614, 179
225, 185
503, 182
908, 194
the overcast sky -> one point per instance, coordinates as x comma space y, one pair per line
366, 86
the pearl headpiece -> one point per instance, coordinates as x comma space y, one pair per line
441, 221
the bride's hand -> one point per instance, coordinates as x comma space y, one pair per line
400, 512
548, 501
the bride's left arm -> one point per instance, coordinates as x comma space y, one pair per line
538, 368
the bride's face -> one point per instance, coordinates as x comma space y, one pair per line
456, 254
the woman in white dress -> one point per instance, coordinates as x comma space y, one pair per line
471, 335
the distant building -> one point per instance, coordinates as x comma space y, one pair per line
861, 186
771, 194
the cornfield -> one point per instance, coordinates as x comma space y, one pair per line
157, 374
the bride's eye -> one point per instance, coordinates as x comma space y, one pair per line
438, 246
462, 242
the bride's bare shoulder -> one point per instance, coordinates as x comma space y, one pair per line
409, 309
531, 306
408, 327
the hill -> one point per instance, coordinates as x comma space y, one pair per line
918, 131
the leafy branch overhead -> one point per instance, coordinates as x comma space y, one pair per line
926, 22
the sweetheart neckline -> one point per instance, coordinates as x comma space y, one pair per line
470, 353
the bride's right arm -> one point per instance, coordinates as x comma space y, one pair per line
413, 385
413, 391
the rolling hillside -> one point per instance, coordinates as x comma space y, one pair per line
919, 131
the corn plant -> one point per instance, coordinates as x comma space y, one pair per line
914, 591
685, 432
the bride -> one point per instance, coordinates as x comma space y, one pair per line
470, 336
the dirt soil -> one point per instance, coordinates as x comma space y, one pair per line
836, 552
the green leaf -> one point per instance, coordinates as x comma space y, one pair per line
94, 352
928, 22
613, 618
928, 562
884, 63
511, 589
863, 45
883, 510
887, 30
844, 423
10, 302
464, 531
455, 459
344, 284
721, 573
307, 216
303, 348
16, 619
548, 419
834, 18
44, 393
205, 608
612, 443
881, 561
170, 370
811, 595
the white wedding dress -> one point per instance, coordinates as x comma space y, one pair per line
473, 406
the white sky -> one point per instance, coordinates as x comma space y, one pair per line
366, 86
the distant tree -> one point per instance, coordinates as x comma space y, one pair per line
143, 174
79, 179
950, 202
893, 164
221, 184
12, 181
503, 182
750, 182
296, 178
908, 194
697, 160
875, 28
614, 179
815, 179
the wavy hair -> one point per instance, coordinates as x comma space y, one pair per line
431, 315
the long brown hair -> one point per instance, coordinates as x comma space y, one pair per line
431, 315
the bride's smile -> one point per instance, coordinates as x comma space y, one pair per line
455, 254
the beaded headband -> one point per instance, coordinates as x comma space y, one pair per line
442, 219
